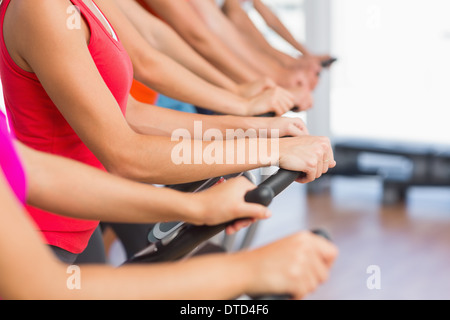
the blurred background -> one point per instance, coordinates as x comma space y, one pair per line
385, 104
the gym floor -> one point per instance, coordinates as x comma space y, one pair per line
408, 243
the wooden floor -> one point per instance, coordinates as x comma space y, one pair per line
409, 242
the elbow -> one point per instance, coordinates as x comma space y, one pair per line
128, 166
196, 40
144, 67
137, 174
123, 167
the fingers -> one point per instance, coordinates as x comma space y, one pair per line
306, 259
246, 209
319, 169
297, 128
309, 154
305, 103
325, 164
303, 98
283, 101
319, 257
254, 211
268, 83
301, 125
275, 100
239, 225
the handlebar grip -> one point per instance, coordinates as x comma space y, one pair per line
273, 114
327, 63
272, 187
281, 180
262, 195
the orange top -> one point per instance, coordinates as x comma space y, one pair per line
142, 93
139, 91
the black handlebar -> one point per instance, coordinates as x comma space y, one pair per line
272, 187
327, 63
187, 237
273, 114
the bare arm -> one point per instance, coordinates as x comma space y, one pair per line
240, 18
158, 71
166, 76
153, 120
222, 28
96, 195
165, 39
98, 121
181, 16
228, 276
262, 62
96, 118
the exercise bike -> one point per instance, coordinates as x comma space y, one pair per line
179, 240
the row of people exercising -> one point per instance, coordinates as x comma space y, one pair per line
67, 93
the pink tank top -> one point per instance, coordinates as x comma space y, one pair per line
37, 122
10, 163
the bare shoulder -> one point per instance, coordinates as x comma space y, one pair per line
35, 27
29, 18
31, 11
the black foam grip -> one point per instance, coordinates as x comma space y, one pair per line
262, 195
327, 63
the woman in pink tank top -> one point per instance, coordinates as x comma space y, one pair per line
29, 271
10, 163
66, 81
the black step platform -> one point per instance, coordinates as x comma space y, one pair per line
400, 164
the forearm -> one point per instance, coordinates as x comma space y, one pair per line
96, 195
228, 34
163, 38
159, 159
171, 79
166, 161
190, 59
161, 73
224, 59
152, 120
37, 274
170, 43
225, 279
184, 20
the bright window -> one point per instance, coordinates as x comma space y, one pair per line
393, 76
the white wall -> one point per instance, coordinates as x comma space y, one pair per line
393, 74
